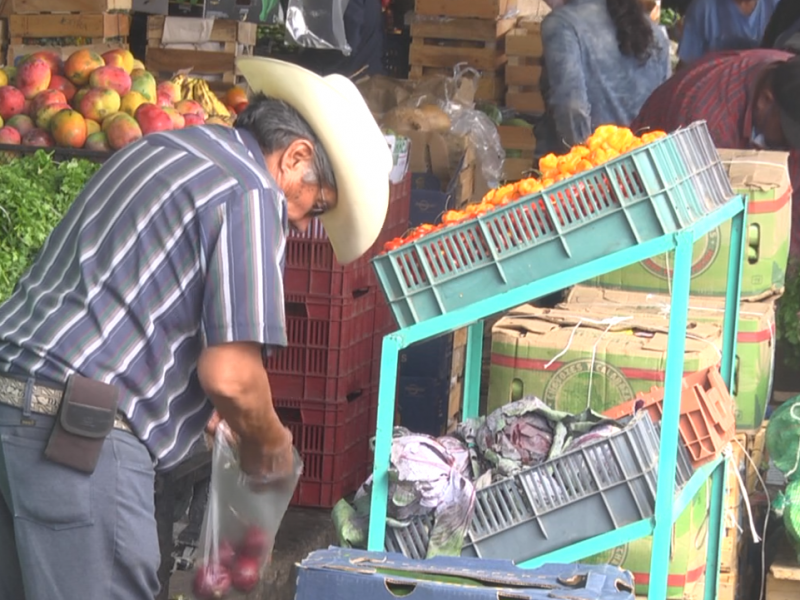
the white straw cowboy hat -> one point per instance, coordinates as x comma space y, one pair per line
359, 154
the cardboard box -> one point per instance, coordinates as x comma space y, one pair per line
557, 354
342, 574
687, 554
755, 352
762, 176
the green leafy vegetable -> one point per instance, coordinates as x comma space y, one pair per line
669, 17
788, 317
35, 193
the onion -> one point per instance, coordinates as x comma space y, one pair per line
212, 582
227, 555
246, 574
255, 543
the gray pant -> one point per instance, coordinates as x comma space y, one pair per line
65, 535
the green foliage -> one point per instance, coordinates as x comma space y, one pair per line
788, 317
35, 193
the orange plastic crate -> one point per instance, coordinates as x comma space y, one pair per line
707, 419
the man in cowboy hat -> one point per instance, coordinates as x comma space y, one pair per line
150, 307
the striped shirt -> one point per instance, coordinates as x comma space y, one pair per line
176, 243
719, 89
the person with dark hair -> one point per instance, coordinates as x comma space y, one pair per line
783, 30
602, 59
748, 99
146, 318
712, 25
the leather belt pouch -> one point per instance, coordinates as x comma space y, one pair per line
86, 417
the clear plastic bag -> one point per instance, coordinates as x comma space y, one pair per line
240, 524
318, 24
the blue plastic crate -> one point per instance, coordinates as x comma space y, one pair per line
654, 190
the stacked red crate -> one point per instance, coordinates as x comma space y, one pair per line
323, 383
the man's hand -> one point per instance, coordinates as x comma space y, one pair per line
211, 427
234, 377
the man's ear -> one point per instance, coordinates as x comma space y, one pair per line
298, 155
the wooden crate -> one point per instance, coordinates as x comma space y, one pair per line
783, 579
16, 51
442, 45
524, 54
27, 7
519, 144
455, 402
235, 38
97, 27
728, 586
478, 9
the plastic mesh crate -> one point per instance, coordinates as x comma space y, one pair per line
311, 267
333, 439
330, 346
651, 191
545, 508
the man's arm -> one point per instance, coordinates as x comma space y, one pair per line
567, 98
242, 313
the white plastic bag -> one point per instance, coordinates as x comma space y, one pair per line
318, 24
240, 524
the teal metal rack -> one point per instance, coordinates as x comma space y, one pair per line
668, 507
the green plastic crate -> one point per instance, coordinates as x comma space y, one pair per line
655, 190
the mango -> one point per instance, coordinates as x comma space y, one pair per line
12, 102
98, 103
113, 78
97, 141
123, 130
121, 58
131, 101
45, 115
63, 85
144, 83
68, 128
33, 76
80, 65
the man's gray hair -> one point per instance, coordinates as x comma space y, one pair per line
275, 125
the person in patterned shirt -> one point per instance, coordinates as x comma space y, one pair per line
163, 287
748, 98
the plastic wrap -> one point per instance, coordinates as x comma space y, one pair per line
318, 24
409, 107
240, 524
783, 438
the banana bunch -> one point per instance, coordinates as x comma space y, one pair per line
194, 88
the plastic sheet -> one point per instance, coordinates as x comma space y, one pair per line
318, 24
240, 524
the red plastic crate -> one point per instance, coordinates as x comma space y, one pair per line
329, 352
311, 268
333, 439
707, 417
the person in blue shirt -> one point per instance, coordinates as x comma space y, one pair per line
713, 25
602, 58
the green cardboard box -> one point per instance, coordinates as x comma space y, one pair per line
755, 352
761, 175
687, 552
560, 355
